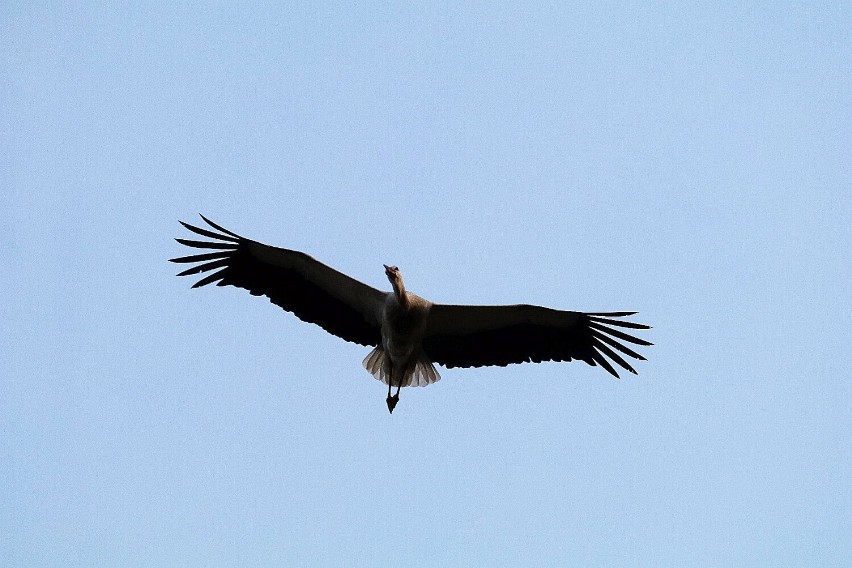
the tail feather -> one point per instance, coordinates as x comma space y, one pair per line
421, 374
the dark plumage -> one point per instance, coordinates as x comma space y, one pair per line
408, 332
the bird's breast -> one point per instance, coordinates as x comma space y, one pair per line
402, 329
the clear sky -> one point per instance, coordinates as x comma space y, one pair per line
691, 162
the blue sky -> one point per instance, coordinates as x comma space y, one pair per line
690, 162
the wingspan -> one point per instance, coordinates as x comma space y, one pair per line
314, 292
478, 336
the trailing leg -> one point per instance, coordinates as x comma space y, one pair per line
391, 400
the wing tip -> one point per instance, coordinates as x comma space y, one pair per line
220, 228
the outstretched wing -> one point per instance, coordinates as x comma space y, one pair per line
290, 279
478, 336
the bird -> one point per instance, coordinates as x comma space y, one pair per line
408, 334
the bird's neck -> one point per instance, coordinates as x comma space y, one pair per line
401, 295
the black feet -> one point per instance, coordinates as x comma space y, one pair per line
392, 400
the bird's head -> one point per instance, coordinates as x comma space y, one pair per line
395, 277
392, 272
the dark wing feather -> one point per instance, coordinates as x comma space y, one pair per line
292, 280
478, 336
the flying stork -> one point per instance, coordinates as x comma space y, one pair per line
408, 333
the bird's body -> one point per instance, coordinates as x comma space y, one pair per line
403, 326
400, 359
408, 332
